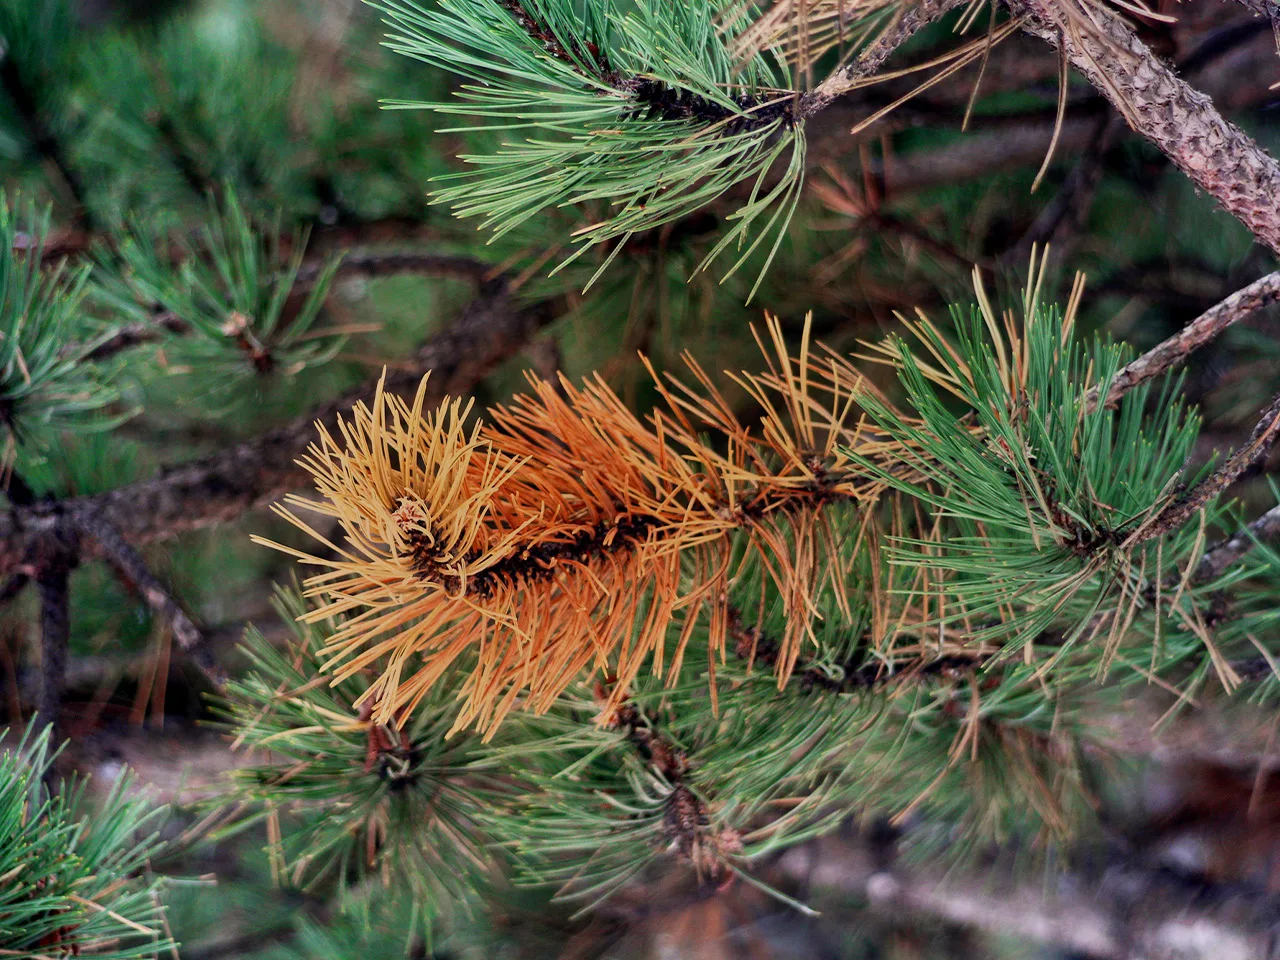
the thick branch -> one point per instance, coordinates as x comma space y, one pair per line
57, 556
220, 487
1217, 155
1239, 306
379, 264
133, 568
1222, 555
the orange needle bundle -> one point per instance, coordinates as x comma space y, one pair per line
566, 533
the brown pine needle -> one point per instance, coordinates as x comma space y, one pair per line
558, 537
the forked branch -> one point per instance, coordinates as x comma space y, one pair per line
909, 22
1184, 507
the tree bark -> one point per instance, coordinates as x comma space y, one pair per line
1218, 156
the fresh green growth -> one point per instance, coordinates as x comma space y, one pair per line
74, 876
44, 385
639, 111
238, 285
357, 801
1047, 505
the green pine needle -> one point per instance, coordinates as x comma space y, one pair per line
637, 112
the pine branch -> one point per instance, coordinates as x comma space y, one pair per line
753, 646
1239, 306
130, 335
910, 21
596, 495
58, 554
220, 487
652, 128
391, 264
1218, 156
1184, 507
1219, 557
133, 568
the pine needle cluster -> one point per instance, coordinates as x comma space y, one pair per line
641, 111
566, 534
347, 799
74, 877
686, 638
44, 387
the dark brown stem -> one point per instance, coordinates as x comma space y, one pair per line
131, 335
371, 265
58, 555
218, 488
753, 646
550, 43
1184, 507
1218, 156
1239, 306
133, 568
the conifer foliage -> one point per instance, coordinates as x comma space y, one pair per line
71, 883
566, 533
623, 624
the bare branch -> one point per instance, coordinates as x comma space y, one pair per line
1180, 510
908, 23
1239, 306
1217, 155
389, 264
131, 335
1222, 555
133, 567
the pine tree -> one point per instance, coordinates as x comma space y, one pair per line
731, 577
